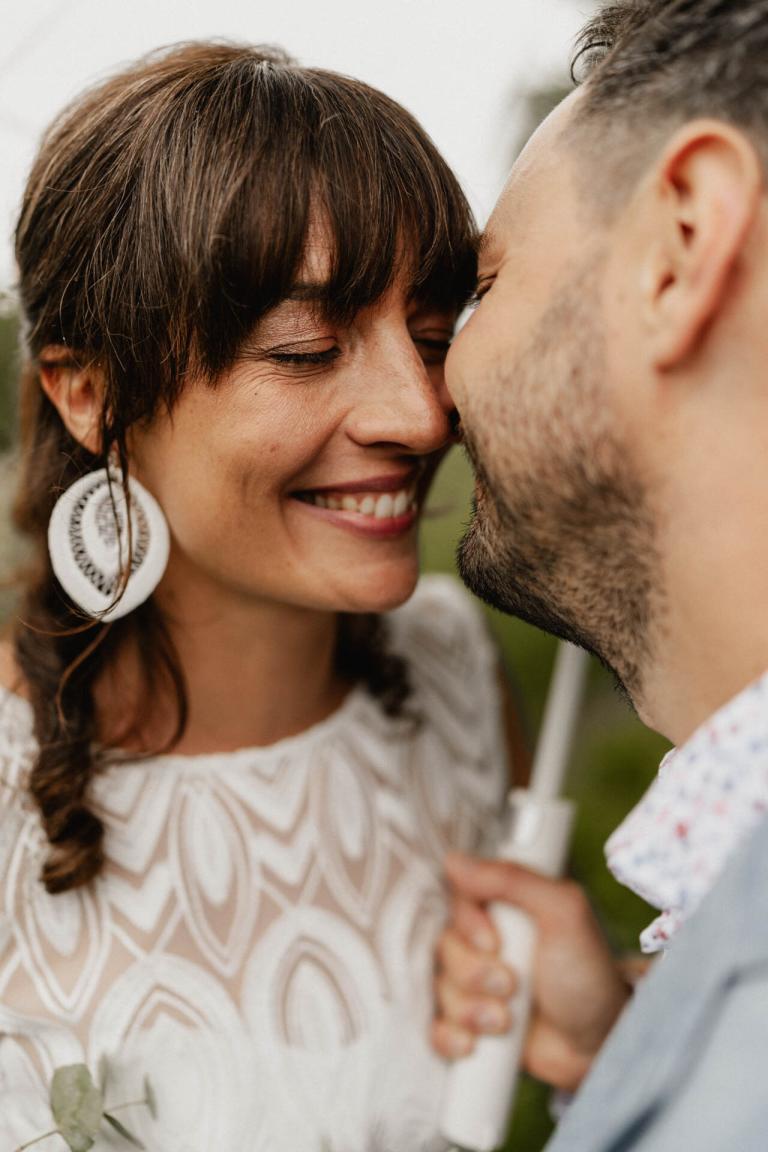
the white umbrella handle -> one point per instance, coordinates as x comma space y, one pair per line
480, 1089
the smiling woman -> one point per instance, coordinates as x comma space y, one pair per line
300, 238
237, 774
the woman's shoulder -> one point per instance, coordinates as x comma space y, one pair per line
453, 667
442, 617
452, 658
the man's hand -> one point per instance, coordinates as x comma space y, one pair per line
578, 991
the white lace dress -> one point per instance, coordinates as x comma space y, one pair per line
261, 941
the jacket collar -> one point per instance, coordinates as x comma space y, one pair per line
649, 1052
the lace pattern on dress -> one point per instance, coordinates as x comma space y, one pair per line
261, 941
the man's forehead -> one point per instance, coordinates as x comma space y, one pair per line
551, 129
533, 175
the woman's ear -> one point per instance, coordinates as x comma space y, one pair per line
77, 394
707, 194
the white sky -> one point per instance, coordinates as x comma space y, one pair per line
454, 63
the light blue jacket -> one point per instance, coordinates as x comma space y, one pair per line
686, 1068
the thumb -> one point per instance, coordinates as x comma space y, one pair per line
488, 880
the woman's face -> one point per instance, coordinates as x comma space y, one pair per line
299, 477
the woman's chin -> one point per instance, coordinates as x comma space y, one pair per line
381, 591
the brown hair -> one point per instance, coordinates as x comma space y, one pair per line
166, 213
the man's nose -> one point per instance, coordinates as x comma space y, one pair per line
452, 374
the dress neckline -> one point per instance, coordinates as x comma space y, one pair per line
356, 700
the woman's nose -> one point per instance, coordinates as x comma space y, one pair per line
406, 404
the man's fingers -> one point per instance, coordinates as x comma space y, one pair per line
474, 924
485, 881
450, 1041
480, 1014
472, 971
488, 880
551, 1057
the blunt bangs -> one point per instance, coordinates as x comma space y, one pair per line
394, 209
327, 148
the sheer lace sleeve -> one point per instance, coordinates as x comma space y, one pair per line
454, 663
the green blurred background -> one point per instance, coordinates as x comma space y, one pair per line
614, 757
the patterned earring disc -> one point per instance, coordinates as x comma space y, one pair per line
88, 544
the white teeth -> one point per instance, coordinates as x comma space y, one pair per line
401, 504
388, 506
384, 507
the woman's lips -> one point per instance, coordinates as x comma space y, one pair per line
369, 526
384, 515
375, 506
392, 482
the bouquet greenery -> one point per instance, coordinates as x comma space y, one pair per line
77, 1105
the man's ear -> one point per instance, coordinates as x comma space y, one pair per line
706, 193
76, 392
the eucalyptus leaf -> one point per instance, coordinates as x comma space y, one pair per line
76, 1139
149, 1098
121, 1128
77, 1106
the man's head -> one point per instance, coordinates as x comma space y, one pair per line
613, 373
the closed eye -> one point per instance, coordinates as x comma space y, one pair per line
305, 358
483, 288
432, 352
433, 345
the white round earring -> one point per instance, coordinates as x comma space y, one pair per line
88, 542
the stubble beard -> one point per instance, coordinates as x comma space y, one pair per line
561, 534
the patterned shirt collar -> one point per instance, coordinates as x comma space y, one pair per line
708, 796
